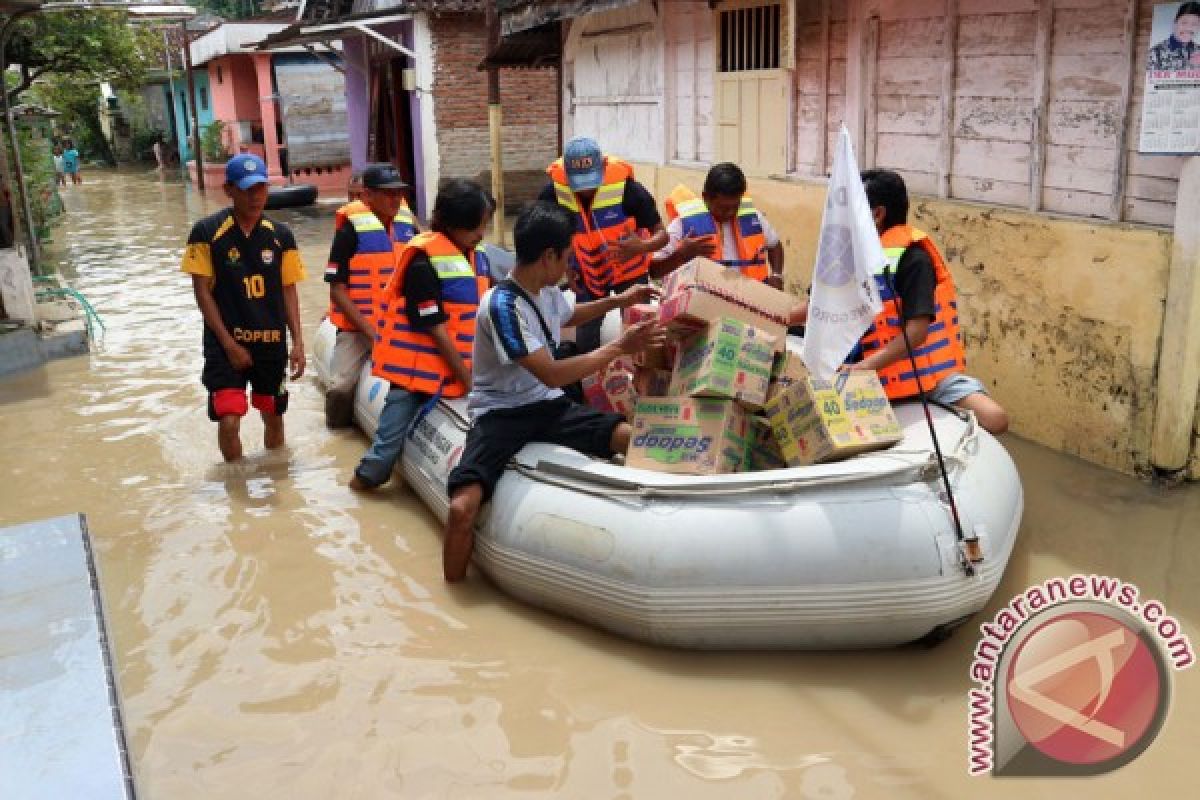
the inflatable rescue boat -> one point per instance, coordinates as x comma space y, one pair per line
852, 554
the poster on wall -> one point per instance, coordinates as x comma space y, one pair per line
1171, 111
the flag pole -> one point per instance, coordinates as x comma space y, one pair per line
971, 551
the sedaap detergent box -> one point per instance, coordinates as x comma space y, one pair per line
728, 359
816, 420
688, 436
703, 291
762, 450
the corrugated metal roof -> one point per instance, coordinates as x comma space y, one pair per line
337, 10
531, 49
521, 15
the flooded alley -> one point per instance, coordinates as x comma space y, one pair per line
277, 635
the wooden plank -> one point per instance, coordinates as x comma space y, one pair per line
988, 190
1041, 98
1155, 166
1071, 201
909, 76
909, 9
911, 38
1084, 31
909, 114
905, 152
1093, 124
994, 6
823, 87
996, 76
1149, 212
1160, 190
1006, 119
949, 62
920, 182
1087, 169
996, 34
1132, 73
870, 82
976, 158
1086, 77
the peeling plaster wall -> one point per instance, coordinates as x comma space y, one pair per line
1062, 317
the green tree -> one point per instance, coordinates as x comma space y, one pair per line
87, 46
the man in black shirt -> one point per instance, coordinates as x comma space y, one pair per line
244, 271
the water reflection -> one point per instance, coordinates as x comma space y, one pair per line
278, 635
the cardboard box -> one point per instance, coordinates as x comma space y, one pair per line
762, 451
731, 285
653, 382
729, 359
638, 313
693, 309
817, 421
787, 370
613, 389
688, 436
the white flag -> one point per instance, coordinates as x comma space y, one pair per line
844, 298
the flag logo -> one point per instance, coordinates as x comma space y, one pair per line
844, 298
427, 307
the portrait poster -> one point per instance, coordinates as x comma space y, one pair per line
1171, 108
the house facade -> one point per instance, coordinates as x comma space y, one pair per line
285, 106
1015, 124
416, 97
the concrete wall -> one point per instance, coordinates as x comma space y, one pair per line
1062, 317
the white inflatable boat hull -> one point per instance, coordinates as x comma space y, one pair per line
859, 553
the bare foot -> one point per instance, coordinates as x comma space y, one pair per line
359, 485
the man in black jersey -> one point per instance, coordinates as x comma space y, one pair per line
244, 271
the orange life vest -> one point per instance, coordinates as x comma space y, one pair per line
747, 230
941, 354
342, 214
407, 357
374, 261
601, 226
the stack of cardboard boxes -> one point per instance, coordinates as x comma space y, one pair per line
736, 399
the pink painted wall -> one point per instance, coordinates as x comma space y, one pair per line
234, 82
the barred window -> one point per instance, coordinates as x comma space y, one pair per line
750, 38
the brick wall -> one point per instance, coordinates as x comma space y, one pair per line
530, 132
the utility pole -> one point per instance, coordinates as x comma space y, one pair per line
495, 119
191, 84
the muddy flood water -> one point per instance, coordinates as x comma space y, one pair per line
278, 636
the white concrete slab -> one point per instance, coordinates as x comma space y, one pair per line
60, 722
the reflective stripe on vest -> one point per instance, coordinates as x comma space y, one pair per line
748, 234
604, 224
941, 354
373, 261
407, 357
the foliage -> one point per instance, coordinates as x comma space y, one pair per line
231, 9
38, 162
212, 142
143, 142
79, 104
87, 46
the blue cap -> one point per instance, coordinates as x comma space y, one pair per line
584, 164
245, 170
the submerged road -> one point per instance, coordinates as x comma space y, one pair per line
277, 635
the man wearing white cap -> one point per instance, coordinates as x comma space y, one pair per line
611, 212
